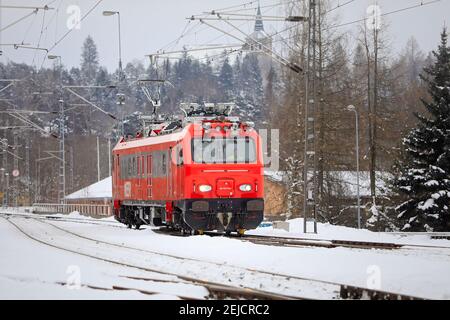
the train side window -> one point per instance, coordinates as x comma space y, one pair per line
134, 167
130, 167
138, 166
180, 158
121, 168
117, 166
143, 166
127, 164
123, 172
149, 171
149, 166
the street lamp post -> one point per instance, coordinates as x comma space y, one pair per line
353, 109
112, 13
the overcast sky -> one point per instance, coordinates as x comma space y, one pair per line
149, 25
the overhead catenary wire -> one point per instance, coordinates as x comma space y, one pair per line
421, 4
40, 38
255, 8
265, 50
29, 28
239, 26
19, 20
70, 30
238, 6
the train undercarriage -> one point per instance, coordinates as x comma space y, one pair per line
195, 216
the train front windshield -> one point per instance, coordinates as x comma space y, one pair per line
224, 151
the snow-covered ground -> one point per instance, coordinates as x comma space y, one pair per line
32, 270
331, 232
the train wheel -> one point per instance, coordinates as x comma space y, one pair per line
241, 232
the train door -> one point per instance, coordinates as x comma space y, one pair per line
141, 177
179, 172
149, 177
169, 174
174, 163
115, 168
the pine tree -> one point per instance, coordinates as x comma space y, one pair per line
425, 174
252, 91
89, 61
226, 80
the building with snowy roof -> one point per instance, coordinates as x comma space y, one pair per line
97, 193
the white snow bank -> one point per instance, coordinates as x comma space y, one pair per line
331, 232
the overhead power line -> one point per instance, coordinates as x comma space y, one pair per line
421, 4
70, 30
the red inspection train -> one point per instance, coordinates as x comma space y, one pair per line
200, 174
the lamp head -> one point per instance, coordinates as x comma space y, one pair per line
109, 13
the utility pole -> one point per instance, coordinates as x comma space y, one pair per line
109, 156
98, 158
16, 167
27, 168
62, 133
5, 171
37, 196
310, 155
71, 169
62, 168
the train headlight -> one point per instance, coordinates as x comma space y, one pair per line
245, 187
204, 188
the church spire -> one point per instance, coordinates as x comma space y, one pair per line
259, 26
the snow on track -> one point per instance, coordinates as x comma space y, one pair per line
413, 272
206, 271
230, 261
30, 270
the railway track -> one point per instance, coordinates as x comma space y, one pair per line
325, 243
217, 290
257, 239
53, 217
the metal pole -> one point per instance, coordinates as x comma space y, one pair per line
310, 157
109, 155
353, 109
63, 153
16, 167
62, 141
27, 168
357, 169
120, 48
71, 169
6, 200
98, 159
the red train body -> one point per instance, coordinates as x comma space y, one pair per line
204, 175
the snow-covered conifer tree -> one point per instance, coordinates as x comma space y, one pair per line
425, 173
